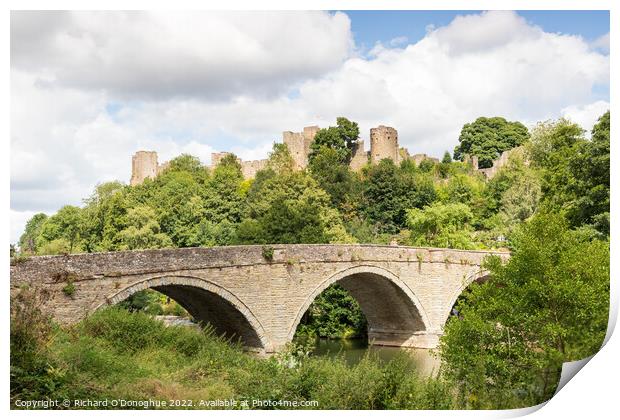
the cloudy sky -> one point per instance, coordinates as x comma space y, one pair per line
88, 89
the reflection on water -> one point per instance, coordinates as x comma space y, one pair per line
353, 349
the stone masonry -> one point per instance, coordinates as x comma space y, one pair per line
144, 165
383, 145
405, 293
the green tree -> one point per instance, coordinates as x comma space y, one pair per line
66, 225
574, 171
28, 239
546, 305
188, 163
590, 190
334, 314
337, 179
441, 225
487, 138
143, 231
390, 191
289, 208
224, 199
103, 216
446, 158
339, 138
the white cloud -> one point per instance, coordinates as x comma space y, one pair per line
586, 115
214, 55
601, 43
89, 89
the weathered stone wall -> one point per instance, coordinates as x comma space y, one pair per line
383, 144
299, 145
216, 158
418, 158
406, 293
144, 165
359, 157
502, 161
249, 168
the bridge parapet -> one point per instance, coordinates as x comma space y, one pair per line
260, 293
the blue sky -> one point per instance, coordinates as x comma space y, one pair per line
370, 26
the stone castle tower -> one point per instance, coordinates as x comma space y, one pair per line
143, 165
384, 144
299, 145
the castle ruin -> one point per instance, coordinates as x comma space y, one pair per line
383, 145
144, 165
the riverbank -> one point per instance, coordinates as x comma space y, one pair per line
115, 354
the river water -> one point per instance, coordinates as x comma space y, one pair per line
353, 349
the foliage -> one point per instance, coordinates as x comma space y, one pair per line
267, 252
390, 191
441, 225
65, 226
69, 289
487, 138
340, 139
547, 305
336, 178
590, 183
28, 240
34, 373
116, 354
143, 231
334, 314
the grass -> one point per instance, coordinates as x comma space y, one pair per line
119, 354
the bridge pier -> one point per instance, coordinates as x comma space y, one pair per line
396, 338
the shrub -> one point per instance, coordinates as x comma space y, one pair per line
268, 253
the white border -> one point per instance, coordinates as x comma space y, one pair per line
591, 394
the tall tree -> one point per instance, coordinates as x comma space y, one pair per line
339, 138
66, 225
28, 240
390, 191
143, 231
546, 305
487, 138
590, 189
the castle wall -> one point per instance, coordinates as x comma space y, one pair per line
217, 157
143, 165
251, 167
383, 144
359, 157
500, 162
419, 157
299, 145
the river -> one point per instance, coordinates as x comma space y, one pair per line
353, 349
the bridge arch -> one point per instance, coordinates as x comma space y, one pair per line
476, 276
206, 302
393, 312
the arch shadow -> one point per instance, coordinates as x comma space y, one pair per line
207, 303
393, 312
479, 276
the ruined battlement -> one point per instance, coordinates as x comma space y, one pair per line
383, 145
144, 165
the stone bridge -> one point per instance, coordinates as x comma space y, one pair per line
259, 294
